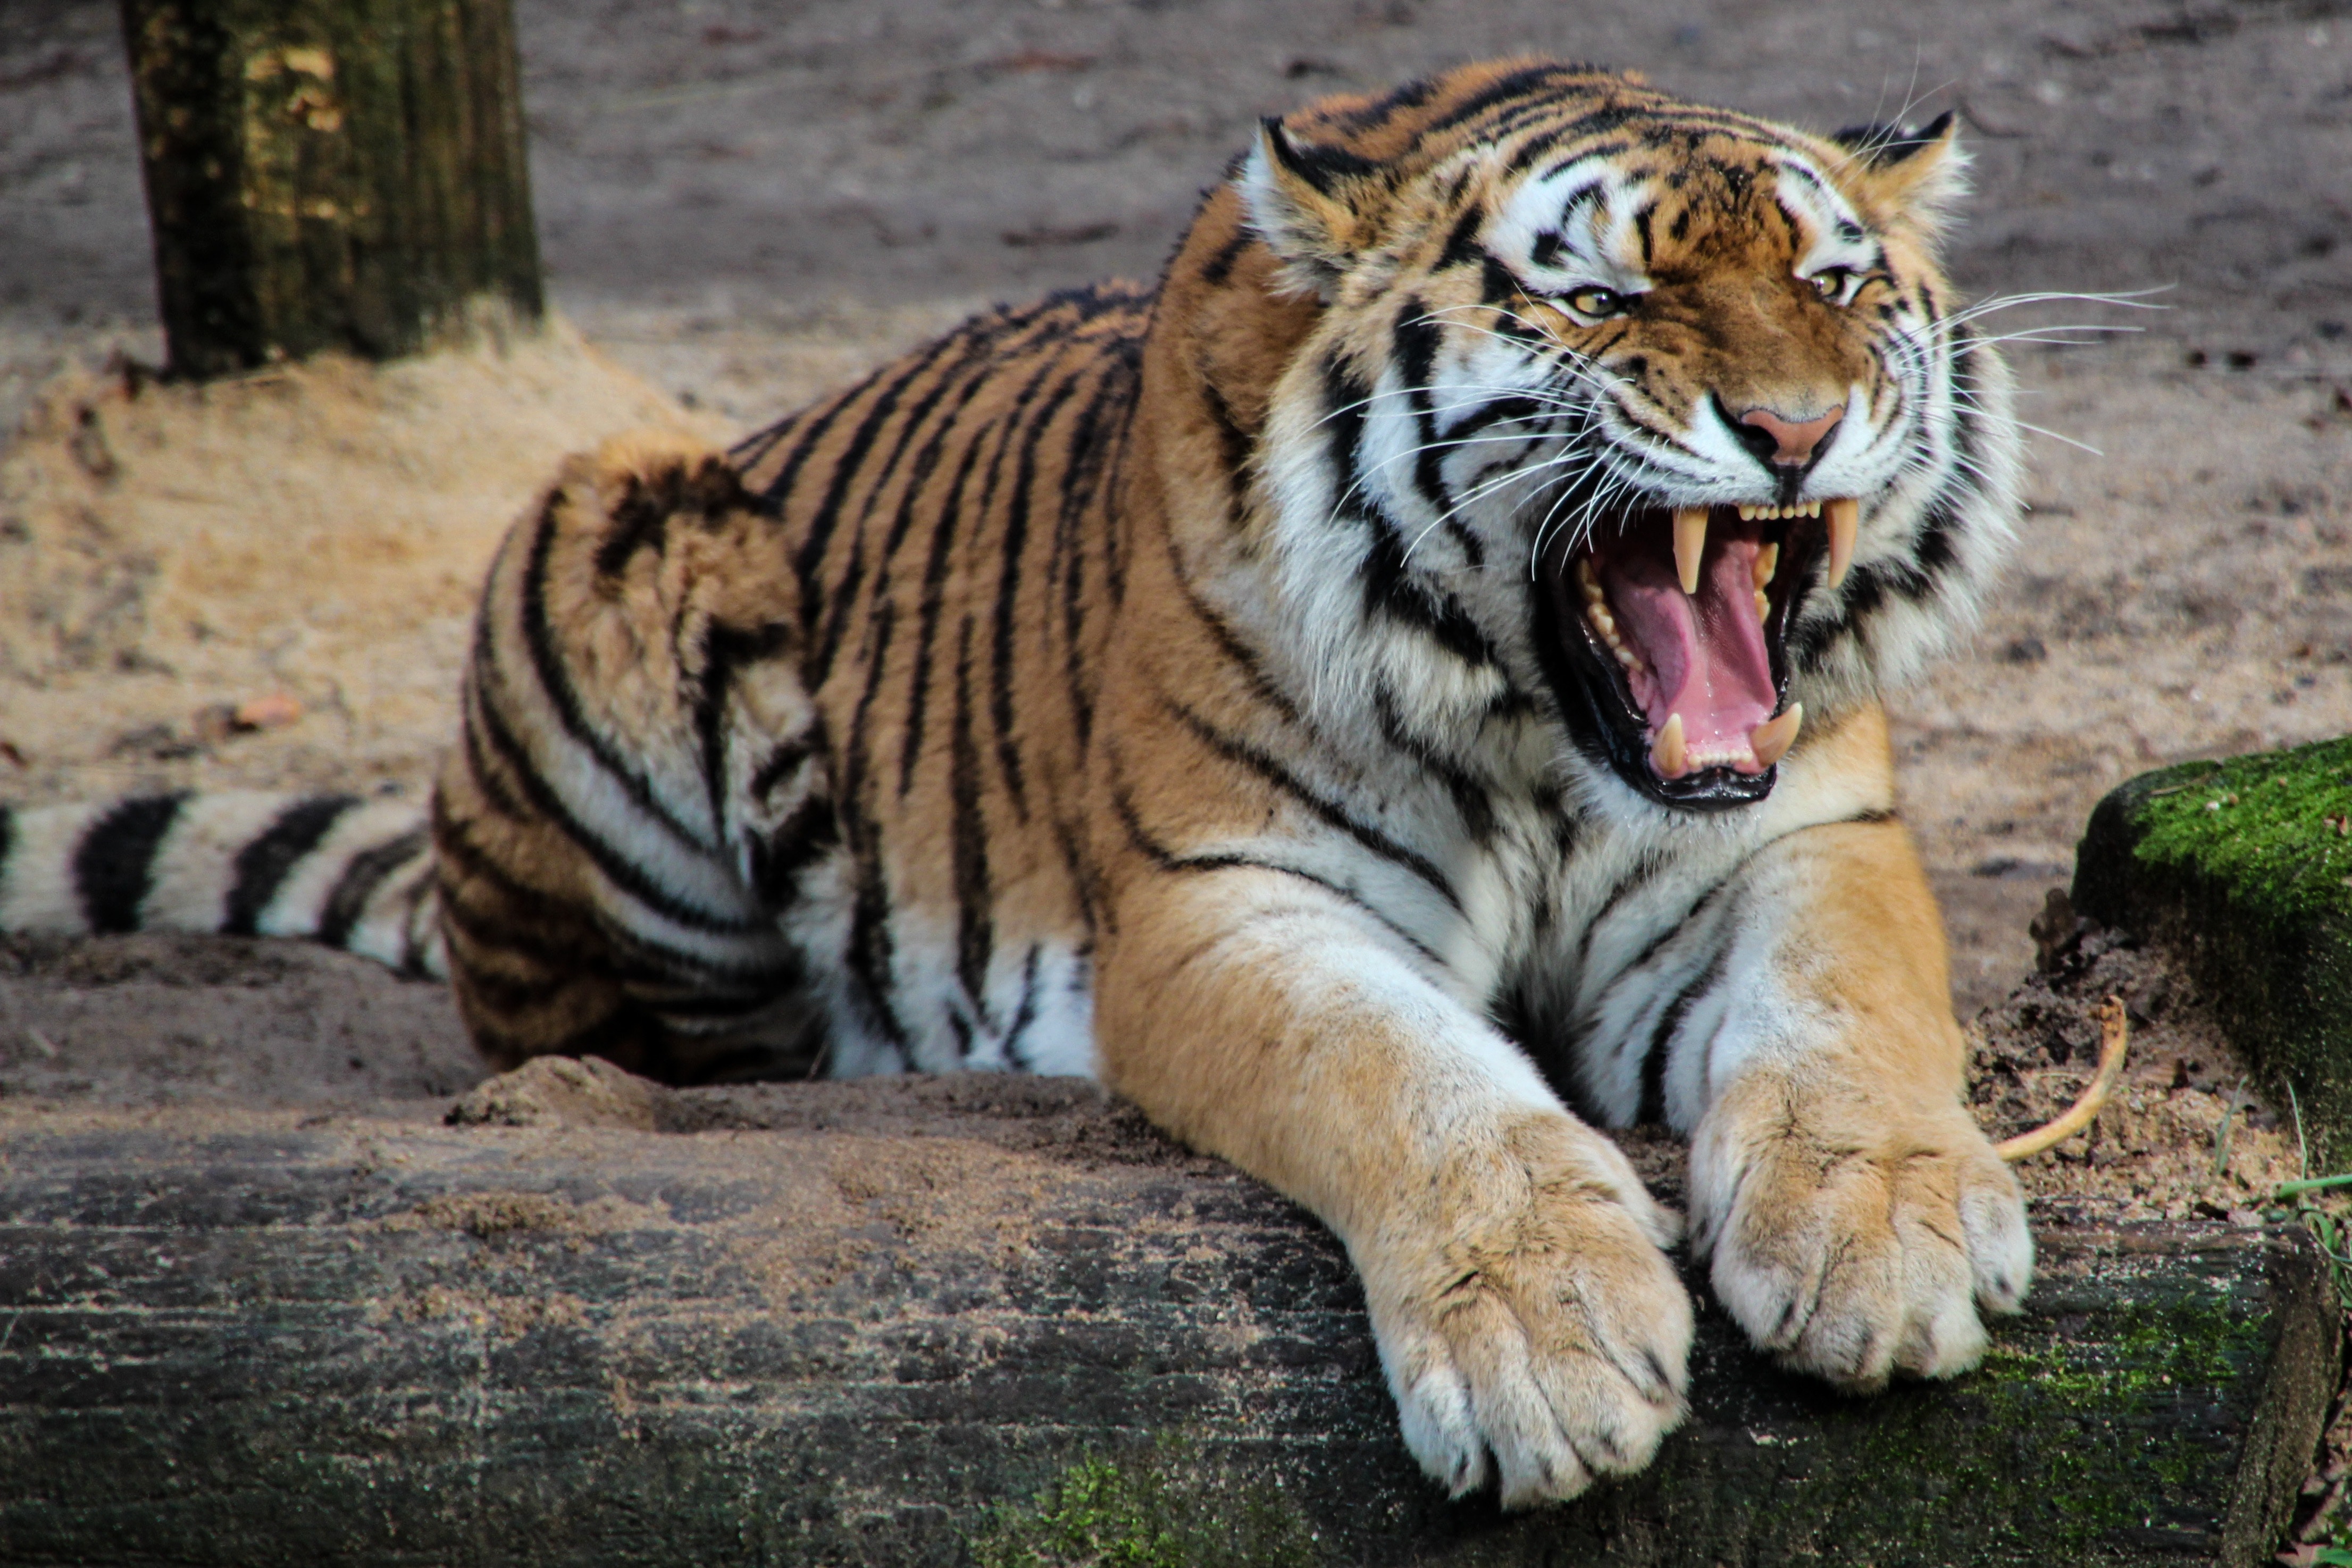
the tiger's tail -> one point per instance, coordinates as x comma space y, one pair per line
351, 872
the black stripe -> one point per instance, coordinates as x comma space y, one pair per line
1644, 872
781, 764
1244, 754
623, 874
1233, 443
1501, 410
1012, 427
1519, 84
775, 858
966, 377
985, 370
848, 462
1168, 860
555, 681
659, 963
1471, 799
1415, 341
932, 599
362, 876
1407, 95
1228, 642
557, 935
968, 829
1393, 589
1653, 1105
1026, 1013
813, 426
540, 929
1320, 163
8, 834
1008, 591
115, 863
1497, 287
502, 800
725, 650
261, 866
869, 957
1083, 475
1219, 266
1462, 244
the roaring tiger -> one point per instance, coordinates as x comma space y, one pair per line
1416, 670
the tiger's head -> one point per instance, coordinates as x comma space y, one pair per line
1542, 379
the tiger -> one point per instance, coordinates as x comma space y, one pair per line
1402, 695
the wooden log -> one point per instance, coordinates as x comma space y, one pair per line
2243, 870
976, 1320
330, 174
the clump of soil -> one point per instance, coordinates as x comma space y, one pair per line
2184, 1135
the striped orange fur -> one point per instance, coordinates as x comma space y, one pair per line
1401, 691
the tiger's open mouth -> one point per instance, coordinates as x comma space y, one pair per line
1671, 626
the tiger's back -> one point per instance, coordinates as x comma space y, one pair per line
841, 683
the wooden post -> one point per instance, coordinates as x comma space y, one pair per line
330, 174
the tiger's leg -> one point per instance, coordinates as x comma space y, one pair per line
1510, 1257
1855, 1216
638, 780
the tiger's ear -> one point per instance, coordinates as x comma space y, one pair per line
1920, 173
1312, 204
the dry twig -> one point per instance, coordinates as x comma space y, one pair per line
2114, 1039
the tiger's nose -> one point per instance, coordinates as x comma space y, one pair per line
1793, 441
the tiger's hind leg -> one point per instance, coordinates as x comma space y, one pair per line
639, 780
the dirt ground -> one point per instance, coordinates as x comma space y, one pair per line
742, 202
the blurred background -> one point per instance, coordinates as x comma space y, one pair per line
743, 203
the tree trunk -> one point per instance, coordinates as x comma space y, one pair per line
330, 174
978, 1319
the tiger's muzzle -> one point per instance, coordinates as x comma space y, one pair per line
1665, 635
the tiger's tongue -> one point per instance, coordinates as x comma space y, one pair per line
1706, 651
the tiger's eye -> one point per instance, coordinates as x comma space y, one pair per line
1597, 303
1831, 282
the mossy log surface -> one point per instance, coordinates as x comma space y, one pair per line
2243, 869
323, 174
980, 1320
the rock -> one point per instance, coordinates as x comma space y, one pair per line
2243, 869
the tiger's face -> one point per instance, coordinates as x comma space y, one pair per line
1662, 400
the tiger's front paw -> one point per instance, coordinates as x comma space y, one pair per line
1854, 1242
1530, 1327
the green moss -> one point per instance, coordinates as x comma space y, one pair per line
1166, 1507
2241, 867
2265, 825
2060, 1449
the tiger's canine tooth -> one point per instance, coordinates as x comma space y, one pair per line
1774, 736
1690, 544
1668, 751
1845, 515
